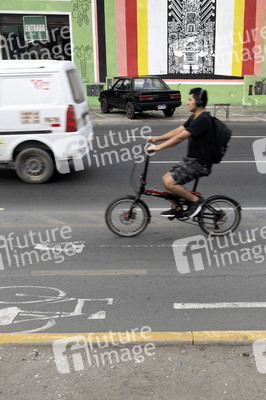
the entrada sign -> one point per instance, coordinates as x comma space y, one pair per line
35, 28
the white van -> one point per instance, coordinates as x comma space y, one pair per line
44, 119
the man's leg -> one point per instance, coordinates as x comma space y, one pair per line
175, 188
172, 187
184, 172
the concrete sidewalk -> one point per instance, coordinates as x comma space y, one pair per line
236, 114
168, 371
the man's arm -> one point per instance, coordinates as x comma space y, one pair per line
173, 141
166, 136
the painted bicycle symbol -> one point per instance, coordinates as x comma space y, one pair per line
28, 305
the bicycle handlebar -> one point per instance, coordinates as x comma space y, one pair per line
148, 152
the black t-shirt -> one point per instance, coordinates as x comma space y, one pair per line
200, 141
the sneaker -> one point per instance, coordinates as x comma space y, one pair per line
195, 207
170, 213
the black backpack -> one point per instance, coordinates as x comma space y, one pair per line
222, 136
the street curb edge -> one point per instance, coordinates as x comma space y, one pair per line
197, 337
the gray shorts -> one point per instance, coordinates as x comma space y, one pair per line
188, 170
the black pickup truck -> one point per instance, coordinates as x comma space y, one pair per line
136, 94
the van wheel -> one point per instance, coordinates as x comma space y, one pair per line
34, 165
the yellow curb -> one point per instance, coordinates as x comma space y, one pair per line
109, 337
226, 336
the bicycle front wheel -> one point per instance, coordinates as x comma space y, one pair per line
219, 216
126, 218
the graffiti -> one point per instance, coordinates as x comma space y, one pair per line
191, 36
80, 11
83, 53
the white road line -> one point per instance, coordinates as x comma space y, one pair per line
8, 314
248, 137
222, 162
254, 208
48, 325
243, 208
242, 162
196, 306
74, 247
233, 137
135, 246
98, 315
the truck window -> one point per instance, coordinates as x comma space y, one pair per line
76, 86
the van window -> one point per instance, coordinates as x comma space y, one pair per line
76, 86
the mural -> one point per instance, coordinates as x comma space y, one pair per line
191, 36
83, 54
180, 39
81, 10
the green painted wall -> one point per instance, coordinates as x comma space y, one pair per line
110, 37
83, 39
36, 5
232, 94
253, 100
81, 27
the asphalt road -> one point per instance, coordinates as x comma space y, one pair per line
104, 282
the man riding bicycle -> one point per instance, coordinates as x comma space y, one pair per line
198, 129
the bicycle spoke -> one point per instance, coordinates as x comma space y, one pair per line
126, 218
220, 216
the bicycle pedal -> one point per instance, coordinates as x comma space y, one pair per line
179, 217
183, 218
171, 218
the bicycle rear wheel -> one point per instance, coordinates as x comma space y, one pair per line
126, 218
219, 216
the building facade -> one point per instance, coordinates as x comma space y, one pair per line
217, 44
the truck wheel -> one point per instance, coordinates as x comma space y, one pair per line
169, 112
130, 110
34, 165
104, 106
